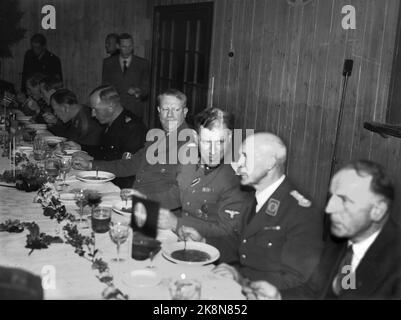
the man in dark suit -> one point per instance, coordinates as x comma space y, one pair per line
129, 74
362, 260
281, 241
39, 60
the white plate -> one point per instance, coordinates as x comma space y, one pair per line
83, 176
55, 139
169, 248
37, 126
118, 205
141, 278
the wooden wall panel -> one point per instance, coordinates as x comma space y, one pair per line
81, 26
286, 77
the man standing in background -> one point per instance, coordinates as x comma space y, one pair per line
110, 44
129, 74
39, 60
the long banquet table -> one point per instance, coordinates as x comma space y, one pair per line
74, 278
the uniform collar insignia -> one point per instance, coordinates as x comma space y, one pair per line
272, 207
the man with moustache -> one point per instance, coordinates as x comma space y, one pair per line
281, 241
362, 260
155, 179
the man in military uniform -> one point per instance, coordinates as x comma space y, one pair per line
39, 60
123, 132
282, 238
212, 201
155, 179
79, 126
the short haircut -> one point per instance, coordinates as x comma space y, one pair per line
64, 96
175, 93
52, 83
35, 79
39, 38
125, 36
214, 117
112, 36
107, 94
381, 183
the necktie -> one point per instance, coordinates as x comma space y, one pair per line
347, 261
125, 67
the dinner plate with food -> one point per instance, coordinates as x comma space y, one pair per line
95, 177
190, 253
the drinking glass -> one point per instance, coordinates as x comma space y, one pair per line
52, 167
101, 217
119, 234
80, 197
39, 148
185, 289
65, 167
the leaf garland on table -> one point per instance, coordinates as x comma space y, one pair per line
49, 198
35, 239
39, 240
84, 246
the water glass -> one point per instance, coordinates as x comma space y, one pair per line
185, 289
119, 232
101, 218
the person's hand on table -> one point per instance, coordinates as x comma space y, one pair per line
189, 233
74, 146
80, 161
137, 92
49, 118
261, 290
167, 220
226, 271
126, 193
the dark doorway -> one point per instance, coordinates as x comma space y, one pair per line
181, 53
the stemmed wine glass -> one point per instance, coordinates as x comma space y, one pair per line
119, 234
52, 167
65, 167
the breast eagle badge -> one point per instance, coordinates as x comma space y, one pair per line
232, 213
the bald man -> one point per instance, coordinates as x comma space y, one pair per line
282, 239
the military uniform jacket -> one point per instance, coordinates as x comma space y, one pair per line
48, 64
136, 76
82, 129
212, 201
282, 242
127, 133
378, 275
158, 181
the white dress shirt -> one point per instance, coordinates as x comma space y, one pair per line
360, 249
129, 59
264, 195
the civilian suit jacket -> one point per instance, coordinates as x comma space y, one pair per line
137, 76
378, 275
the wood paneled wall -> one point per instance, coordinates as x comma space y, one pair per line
81, 27
286, 77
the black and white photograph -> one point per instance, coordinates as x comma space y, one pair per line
215, 150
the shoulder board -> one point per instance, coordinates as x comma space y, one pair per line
302, 201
